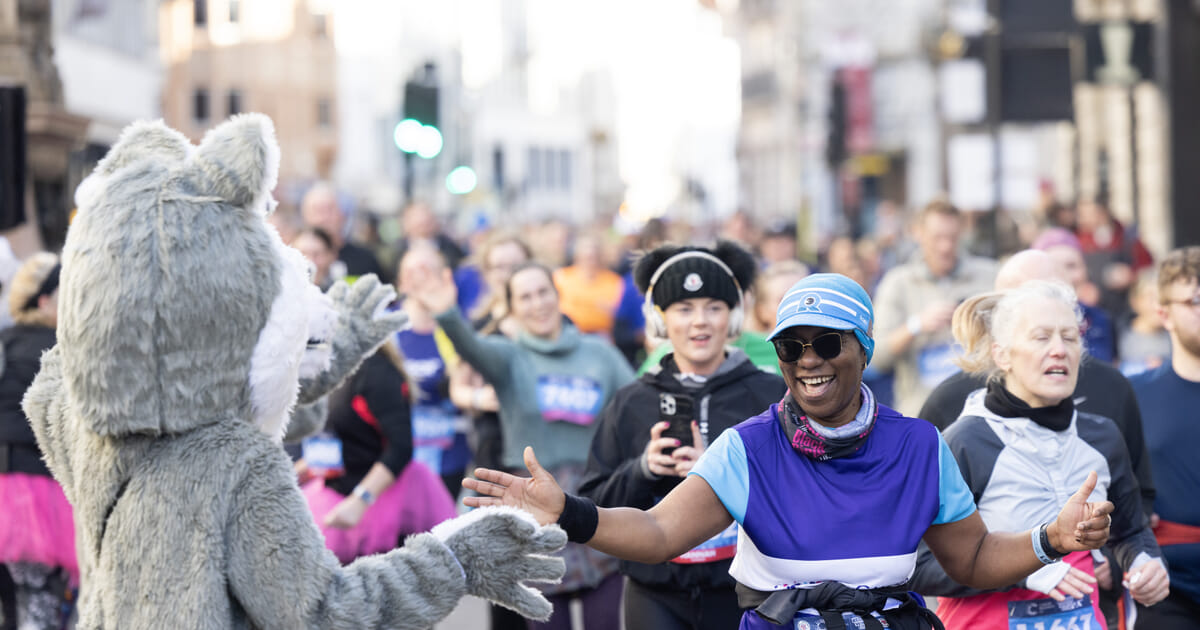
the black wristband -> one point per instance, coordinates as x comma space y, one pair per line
1047, 548
579, 518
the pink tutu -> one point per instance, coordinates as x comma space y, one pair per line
414, 503
37, 525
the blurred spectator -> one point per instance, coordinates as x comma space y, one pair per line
1099, 334
37, 530
497, 256
842, 257
552, 382
1114, 255
319, 208
1169, 397
769, 287
551, 243
317, 247
778, 243
629, 330
739, 228
439, 428
589, 292
1144, 343
419, 223
914, 303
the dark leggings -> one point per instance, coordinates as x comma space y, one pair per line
601, 607
1176, 612
699, 609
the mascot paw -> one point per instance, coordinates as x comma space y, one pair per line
363, 323
501, 548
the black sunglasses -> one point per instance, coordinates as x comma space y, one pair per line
827, 346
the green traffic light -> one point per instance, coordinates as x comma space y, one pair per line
461, 180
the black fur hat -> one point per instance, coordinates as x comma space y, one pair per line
696, 275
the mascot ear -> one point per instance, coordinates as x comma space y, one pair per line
144, 140
240, 160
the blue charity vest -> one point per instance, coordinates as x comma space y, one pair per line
857, 519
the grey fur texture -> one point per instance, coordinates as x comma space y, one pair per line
359, 332
187, 514
500, 548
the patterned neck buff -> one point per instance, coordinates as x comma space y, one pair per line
821, 443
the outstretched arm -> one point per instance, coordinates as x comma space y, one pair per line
362, 327
689, 515
45, 407
977, 558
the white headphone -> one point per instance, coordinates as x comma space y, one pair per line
657, 326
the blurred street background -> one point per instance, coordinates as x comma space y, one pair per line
836, 118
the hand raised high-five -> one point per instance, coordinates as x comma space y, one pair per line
540, 495
1081, 524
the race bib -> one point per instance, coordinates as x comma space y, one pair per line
1047, 614
936, 363
719, 547
323, 454
574, 399
810, 621
433, 434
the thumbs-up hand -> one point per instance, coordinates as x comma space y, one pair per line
1081, 524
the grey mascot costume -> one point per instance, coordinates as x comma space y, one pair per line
187, 331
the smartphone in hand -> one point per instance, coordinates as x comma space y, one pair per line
678, 410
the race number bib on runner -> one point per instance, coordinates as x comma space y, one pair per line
574, 399
323, 454
1047, 614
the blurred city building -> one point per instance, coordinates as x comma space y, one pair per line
1002, 104
540, 145
277, 57
40, 132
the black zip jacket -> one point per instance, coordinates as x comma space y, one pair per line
616, 477
23, 346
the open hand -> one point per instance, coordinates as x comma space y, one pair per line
1082, 524
540, 495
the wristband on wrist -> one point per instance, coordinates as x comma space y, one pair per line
579, 518
1042, 547
364, 495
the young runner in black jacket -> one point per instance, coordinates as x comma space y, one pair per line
695, 393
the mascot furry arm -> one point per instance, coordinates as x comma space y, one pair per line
183, 327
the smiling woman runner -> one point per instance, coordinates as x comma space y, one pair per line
831, 492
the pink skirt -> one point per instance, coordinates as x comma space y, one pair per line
37, 525
414, 503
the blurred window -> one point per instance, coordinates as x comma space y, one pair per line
200, 105
564, 169
234, 11
235, 102
534, 174
200, 12
324, 113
